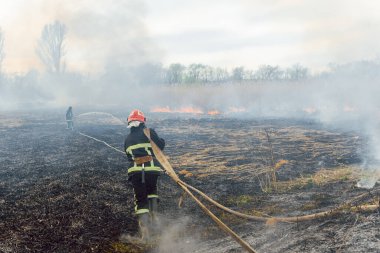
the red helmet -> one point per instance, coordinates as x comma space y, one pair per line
136, 115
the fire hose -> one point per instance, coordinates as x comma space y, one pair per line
269, 220
170, 171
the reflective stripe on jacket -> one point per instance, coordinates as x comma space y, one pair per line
137, 145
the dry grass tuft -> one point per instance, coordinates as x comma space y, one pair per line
280, 163
271, 222
324, 176
320, 178
240, 200
119, 247
186, 173
309, 206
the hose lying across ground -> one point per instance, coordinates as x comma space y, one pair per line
105, 143
170, 171
269, 220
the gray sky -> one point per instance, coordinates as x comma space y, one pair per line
216, 32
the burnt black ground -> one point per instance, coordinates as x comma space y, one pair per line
62, 192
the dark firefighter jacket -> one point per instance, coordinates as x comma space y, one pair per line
137, 145
69, 114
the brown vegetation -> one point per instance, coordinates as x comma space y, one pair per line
64, 189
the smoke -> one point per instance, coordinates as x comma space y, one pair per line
176, 238
105, 42
108, 34
113, 62
100, 33
345, 97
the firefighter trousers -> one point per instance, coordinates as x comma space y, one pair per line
70, 124
144, 190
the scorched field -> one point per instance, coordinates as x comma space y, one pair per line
64, 192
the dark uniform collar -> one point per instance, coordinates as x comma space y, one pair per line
139, 128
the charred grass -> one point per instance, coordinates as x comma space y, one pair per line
61, 192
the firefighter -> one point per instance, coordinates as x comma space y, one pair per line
143, 170
69, 118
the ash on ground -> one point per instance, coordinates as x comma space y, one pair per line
62, 192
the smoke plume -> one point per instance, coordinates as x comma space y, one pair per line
112, 62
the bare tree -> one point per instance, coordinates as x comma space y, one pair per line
238, 73
268, 73
50, 48
297, 72
2, 55
195, 73
221, 75
175, 73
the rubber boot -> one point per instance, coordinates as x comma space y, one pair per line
153, 205
153, 208
144, 225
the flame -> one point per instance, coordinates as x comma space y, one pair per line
195, 110
213, 112
187, 109
161, 109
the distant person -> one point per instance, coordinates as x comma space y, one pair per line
69, 118
143, 171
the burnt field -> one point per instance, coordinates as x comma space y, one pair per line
63, 192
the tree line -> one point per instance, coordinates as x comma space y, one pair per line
196, 73
51, 51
